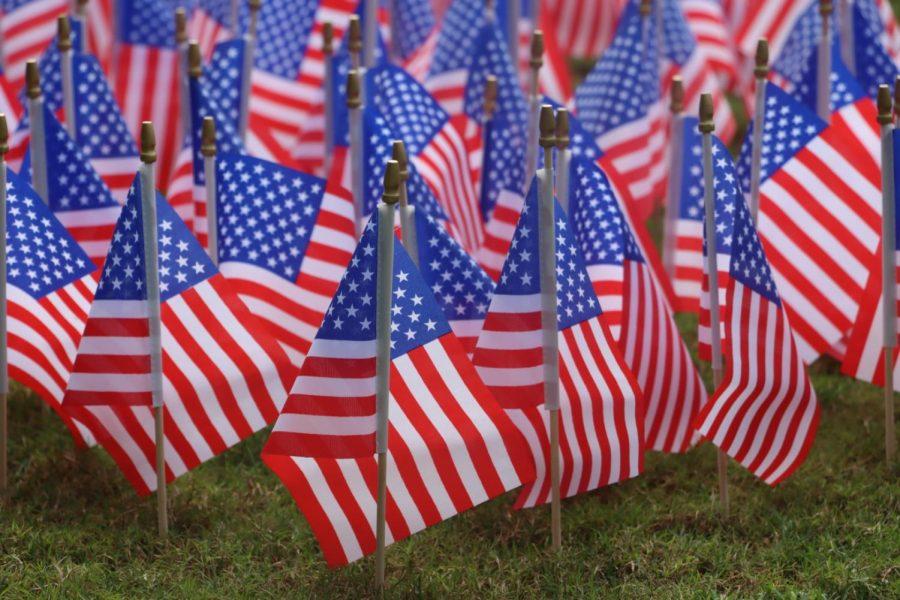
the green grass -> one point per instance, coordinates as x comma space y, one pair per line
72, 527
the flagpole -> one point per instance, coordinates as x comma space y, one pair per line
393, 24
64, 45
673, 188
706, 127
512, 31
151, 270
208, 150
407, 211
490, 106
761, 73
888, 265
354, 42
328, 83
823, 74
537, 60
36, 116
563, 157
235, 16
246, 76
4, 369
384, 294
848, 43
549, 319
357, 160
181, 39
645, 10
82, 17
371, 26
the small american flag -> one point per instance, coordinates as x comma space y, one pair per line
284, 240
26, 27
450, 447
211, 23
636, 310
871, 56
50, 284
224, 377
687, 278
75, 192
770, 19
764, 414
820, 209
601, 407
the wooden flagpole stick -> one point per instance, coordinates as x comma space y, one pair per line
208, 150
151, 271
823, 74
64, 45
394, 27
888, 265
81, 15
673, 189
235, 17
706, 127
355, 42
357, 160
563, 157
512, 33
549, 319
36, 116
246, 76
848, 43
490, 106
384, 297
328, 83
407, 210
181, 39
761, 73
534, 100
371, 27
4, 370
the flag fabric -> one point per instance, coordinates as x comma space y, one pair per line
50, 284
75, 192
10, 105
211, 23
583, 28
284, 240
26, 26
765, 413
820, 210
601, 406
706, 19
450, 447
866, 344
635, 310
223, 376
101, 31
147, 73
416, 35
872, 61
766, 19
463, 290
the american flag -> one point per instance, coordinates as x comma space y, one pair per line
601, 406
75, 192
583, 28
211, 23
707, 21
146, 71
636, 310
416, 35
770, 19
789, 69
820, 209
49, 287
865, 347
450, 447
224, 377
436, 146
872, 62
460, 286
26, 28
284, 240
764, 414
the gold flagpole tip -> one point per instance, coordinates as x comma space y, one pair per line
562, 129
706, 114
646, 6
4, 136
825, 7
677, 95
537, 49
63, 33
490, 96
885, 105
32, 80
548, 127
148, 143
208, 137
354, 33
254, 5
354, 89
391, 194
195, 60
897, 95
328, 38
399, 154
181, 35
762, 59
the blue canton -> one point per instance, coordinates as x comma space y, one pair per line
72, 184
41, 256
576, 299
456, 280
219, 10
147, 23
266, 213
504, 163
690, 199
678, 41
748, 260
101, 130
461, 25
416, 318
182, 261
50, 69
802, 43
844, 87
874, 66
227, 138
728, 197
223, 79
283, 31
415, 21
